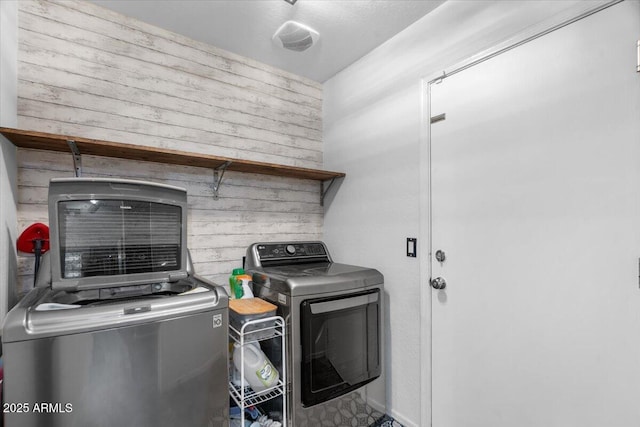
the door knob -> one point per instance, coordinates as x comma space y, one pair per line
438, 283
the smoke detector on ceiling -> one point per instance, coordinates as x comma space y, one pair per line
295, 36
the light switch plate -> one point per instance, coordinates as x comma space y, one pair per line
412, 247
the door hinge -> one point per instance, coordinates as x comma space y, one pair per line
438, 118
638, 58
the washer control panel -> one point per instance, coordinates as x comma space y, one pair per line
269, 251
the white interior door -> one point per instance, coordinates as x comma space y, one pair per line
536, 204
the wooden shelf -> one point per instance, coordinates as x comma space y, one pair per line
54, 142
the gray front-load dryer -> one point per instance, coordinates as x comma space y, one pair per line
334, 316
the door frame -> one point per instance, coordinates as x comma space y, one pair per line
570, 16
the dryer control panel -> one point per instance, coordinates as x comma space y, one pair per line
284, 253
290, 250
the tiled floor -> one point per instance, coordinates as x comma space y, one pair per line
346, 411
349, 411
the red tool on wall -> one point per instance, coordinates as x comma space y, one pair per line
34, 240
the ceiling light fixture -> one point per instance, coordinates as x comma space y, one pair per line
295, 36
291, 2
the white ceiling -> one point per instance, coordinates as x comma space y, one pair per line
349, 29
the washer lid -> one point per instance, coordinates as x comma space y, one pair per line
112, 233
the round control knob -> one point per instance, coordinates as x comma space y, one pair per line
290, 249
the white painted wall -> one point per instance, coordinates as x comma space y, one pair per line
372, 131
8, 118
87, 71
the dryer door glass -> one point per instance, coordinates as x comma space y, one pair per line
340, 345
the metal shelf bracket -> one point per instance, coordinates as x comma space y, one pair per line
218, 173
324, 190
77, 157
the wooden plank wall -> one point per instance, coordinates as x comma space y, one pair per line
87, 71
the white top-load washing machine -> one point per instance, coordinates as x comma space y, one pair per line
119, 331
334, 318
